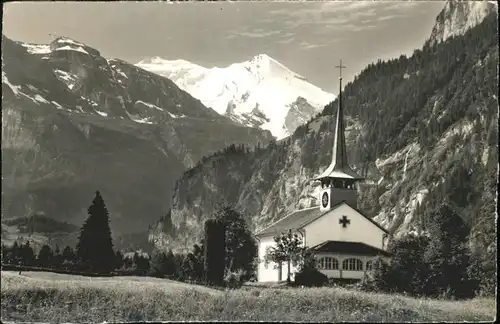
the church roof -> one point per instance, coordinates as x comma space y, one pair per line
357, 248
339, 168
300, 218
295, 220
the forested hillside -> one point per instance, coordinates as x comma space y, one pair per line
422, 129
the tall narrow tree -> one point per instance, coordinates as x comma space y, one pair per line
94, 250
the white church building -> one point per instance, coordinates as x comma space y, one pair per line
344, 240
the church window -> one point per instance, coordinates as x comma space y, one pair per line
335, 264
369, 265
352, 264
327, 263
321, 263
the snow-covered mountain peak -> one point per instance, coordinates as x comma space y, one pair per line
259, 92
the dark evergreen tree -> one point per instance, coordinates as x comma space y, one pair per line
158, 264
215, 251
94, 250
408, 271
12, 255
68, 255
26, 254
447, 254
57, 260
45, 257
118, 259
141, 263
170, 264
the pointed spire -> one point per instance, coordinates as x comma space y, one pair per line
339, 156
339, 168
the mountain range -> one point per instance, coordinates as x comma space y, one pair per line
74, 122
422, 129
260, 92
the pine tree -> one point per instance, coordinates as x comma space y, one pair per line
158, 264
170, 264
68, 256
26, 254
118, 259
94, 250
57, 261
45, 256
447, 254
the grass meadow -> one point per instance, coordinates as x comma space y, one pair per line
49, 297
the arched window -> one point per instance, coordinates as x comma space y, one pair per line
335, 264
321, 263
328, 263
369, 265
352, 264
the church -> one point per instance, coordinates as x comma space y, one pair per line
345, 242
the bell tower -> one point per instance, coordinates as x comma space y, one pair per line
338, 181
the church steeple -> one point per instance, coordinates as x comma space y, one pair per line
339, 175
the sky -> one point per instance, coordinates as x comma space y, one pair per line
307, 37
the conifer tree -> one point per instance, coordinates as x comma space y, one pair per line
170, 264
158, 263
45, 256
26, 254
57, 261
94, 250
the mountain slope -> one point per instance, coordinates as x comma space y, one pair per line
459, 16
423, 130
260, 92
74, 122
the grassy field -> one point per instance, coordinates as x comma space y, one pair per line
49, 297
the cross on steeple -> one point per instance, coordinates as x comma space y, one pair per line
344, 221
340, 67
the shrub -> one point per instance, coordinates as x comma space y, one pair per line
235, 279
310, 278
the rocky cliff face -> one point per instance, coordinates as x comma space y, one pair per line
74, 122
459, 16
422, 130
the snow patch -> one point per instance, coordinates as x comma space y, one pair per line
101, 113
69, 48
37, 48
40, 99
14, 88
58, 106
69, 41
67, 78
147, 104
142, 120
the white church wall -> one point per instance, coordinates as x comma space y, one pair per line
269, 273
266, 273
284, 271
359, 229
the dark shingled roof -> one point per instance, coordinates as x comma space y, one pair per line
295, 220
357, 248
300, 218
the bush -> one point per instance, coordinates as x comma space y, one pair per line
235, 279
310, 278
